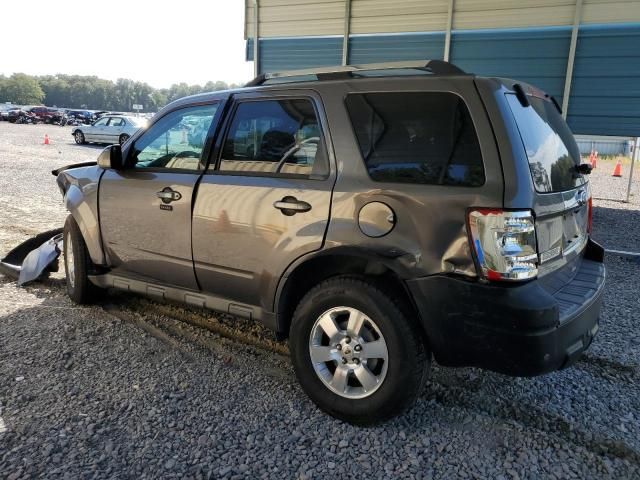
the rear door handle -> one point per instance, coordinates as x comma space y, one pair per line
167, 195
291, 205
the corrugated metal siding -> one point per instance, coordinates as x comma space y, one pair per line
610, 11
277, 54
605, 95
476, 14
536, 56
326, 17
604, 145
390, 48
382, 16
297, 17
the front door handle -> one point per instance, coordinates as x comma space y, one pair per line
167, 195
291, 205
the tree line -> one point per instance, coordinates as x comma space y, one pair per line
93, 93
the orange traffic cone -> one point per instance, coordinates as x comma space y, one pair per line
46, 139
595, 160
591, 157
617, 171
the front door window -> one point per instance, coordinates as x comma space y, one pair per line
176, 141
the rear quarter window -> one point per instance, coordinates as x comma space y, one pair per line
417, 137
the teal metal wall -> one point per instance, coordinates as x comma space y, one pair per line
605, 93
395, 47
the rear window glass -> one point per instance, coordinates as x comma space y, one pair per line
551, 149
422, 137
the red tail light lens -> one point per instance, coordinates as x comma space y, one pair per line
504, 243
589, 215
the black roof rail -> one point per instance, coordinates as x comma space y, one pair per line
437, 67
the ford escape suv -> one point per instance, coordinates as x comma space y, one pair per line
378, 216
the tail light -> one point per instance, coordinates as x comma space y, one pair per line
504, 243
589, 215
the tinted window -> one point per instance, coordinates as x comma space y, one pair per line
116, 122
275, 137
550, 146
417, 138
101, 123
176, 140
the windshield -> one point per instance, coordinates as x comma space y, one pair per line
551, 149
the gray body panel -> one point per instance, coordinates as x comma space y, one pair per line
242, 244
140, 238
225, 240
430, 233
80, 190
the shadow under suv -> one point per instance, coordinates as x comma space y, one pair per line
378, 216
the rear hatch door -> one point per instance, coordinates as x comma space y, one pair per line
562, 197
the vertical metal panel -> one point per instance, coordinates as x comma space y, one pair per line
256, 37
390, 48
345, 36
537, 56
570, 61
605, 94
447, 38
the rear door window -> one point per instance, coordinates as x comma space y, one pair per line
551, 149
275, 137
417, 137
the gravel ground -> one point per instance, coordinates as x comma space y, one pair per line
134, 388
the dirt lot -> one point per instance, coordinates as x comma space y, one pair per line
133, 388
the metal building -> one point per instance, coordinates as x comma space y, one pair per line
586, 53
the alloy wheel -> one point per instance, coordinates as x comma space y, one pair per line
348, 352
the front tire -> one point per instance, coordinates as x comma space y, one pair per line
77, 264
356, 353
79, 137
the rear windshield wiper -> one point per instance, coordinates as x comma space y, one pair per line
584, 168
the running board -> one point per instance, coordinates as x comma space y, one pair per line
189, 297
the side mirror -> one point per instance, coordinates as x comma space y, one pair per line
111, 158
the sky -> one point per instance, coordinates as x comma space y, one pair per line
157, 42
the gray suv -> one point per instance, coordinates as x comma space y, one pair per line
378, 216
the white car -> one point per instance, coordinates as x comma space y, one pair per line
108, 129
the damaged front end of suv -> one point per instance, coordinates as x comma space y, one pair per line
36, 257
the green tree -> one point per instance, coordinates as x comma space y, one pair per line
22, 89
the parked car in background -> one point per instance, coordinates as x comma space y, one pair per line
4, 111
108, 129
13, 114
83, 116
46, 114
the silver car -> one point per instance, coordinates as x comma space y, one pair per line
108, 129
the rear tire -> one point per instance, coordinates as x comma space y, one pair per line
123, 138
380, 367
77, 265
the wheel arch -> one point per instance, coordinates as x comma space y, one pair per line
388, 273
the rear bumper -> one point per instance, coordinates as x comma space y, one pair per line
521, 330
